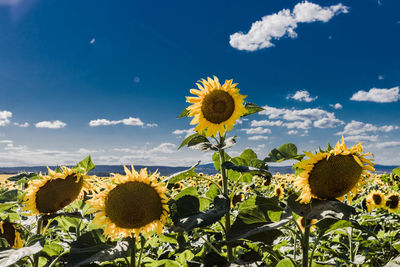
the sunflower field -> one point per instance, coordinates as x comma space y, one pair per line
333, 211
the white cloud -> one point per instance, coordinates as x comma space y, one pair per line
258, 137
336, 106
5, 117
293, 132
9, 2
302, 96
51, 124
390, 144
358, 127
22, 125
381, 77
282, 24
167, 148
258, 130
255, 123
378, 95
185, 132
359, 138
93, 40
303, 118
129, 121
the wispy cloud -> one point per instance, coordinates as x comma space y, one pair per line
185, 132
282, 24
336, 106
378, 95
389, 144
258, 130
302, 96
129, 121
358, 127
258, 137
51, 124
363, 137
5, 117
255, 123
22, 125
293, 132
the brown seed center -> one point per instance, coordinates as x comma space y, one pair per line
393, 202
58, 193
218, 106
133, 205
8, 233
377, 199
334, 177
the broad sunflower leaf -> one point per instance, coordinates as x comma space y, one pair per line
217, 162
10, 196
240, 168
285, 263
265, 232
85, 165
327, 225
11, 256
22, 175
228, 143
396, 171
248, 155
187, 139
251, 108
184, 113
176, 177
319, 209
107, 254
284, 152
205, 218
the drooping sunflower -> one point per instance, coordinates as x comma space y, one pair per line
332, 174
9, 232
130, 203
55, 191
375, 199
216, 108
393, 202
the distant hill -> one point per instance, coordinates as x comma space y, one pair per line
105, 170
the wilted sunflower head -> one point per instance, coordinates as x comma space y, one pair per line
53, 192
216, 108
9, 232
392, 202
130, 203
332, 174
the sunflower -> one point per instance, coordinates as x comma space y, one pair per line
392, 202
375, 199
53, 192
332, 174
217, 107
130, 203
278, 190
9, 232
301, 221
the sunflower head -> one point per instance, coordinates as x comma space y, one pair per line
392, 202
278, 190
9, 232
375, 199
301, 221
216, 108
332, 174
53, 192
130, 203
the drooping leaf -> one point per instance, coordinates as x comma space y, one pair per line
248, 155
176, 177
327, 225
240, 168
11, 256
187, 139
318, 209
205, 218
200, 142
22, 175
107, 254
85, 165
228, 143
251, 108
284, 152
396, 171
10, 196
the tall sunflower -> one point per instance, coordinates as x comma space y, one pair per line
9, 232
130, 203
55, 191
216, 108
393, 202
332, 174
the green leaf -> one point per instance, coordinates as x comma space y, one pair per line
318, 209
9, 196
185, 256
163, 263
11, 256
255, 209
284, 152
396, 171
22, 175
251, 108
216, 159
191, 191
187, 139
176, 177
205, 218
327, 225
285, 263
184, 113
212, 191
85, 165
240, 168
248, 155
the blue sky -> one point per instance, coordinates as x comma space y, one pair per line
108, 78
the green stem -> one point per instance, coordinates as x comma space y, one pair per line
226, 193
306, 242
295, 247
142, 243
38, 232
350, 235
133, 252
313, 250
210, 245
